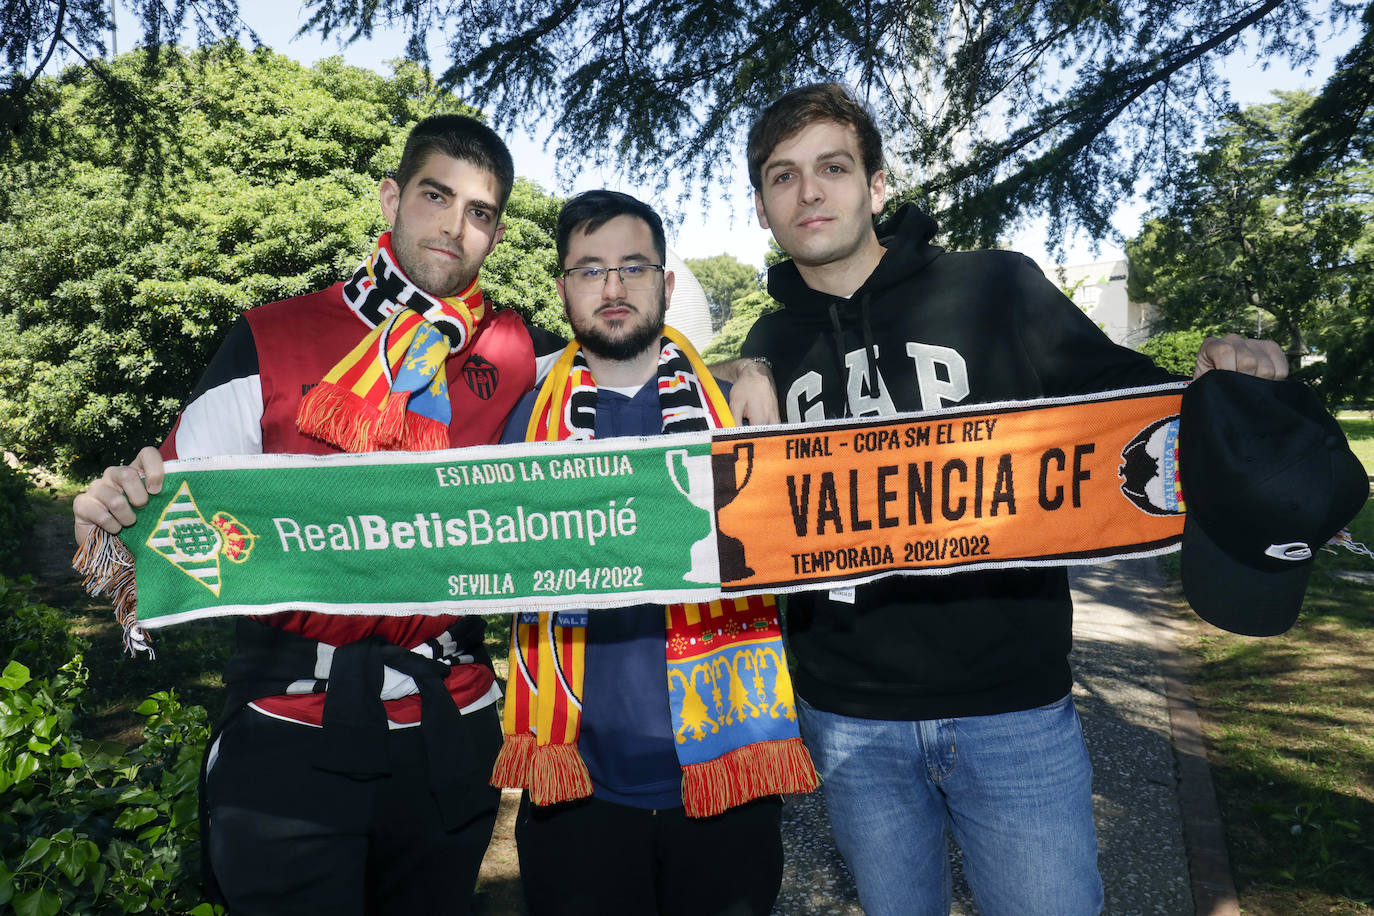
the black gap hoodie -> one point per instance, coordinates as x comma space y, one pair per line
930, 329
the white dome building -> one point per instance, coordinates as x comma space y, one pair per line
689, 311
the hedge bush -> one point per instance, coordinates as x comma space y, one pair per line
90, 826
17, 519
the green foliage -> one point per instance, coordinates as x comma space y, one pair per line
520, 272
745, 311
16, 519
120, 282
88, 826
36, 633
724, 278
1174, 350
1346, 339
1339, 126
1239, 247
91, 828
996, 113
36, 36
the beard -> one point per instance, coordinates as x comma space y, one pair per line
438, 279
629, 339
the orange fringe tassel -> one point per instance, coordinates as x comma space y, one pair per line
390, 430
107, 568
558, 774
553, 773
338, 416
400, 428
514, 762
765, 768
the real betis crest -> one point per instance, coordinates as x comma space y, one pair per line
193, 545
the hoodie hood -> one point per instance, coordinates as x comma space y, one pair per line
906, 236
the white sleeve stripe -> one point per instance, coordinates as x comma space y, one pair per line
224, 420
542, 365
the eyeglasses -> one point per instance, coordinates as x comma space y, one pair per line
632, 276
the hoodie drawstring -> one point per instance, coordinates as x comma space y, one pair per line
839, 350
870, 350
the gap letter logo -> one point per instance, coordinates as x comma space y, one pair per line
193, 545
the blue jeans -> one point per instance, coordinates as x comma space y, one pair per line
1015, 789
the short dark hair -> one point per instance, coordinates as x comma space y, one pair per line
459, 137
591, 210
804, 106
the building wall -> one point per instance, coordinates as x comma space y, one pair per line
1099, 289
689, 311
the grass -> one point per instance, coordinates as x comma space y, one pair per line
1290, 727
1359, 431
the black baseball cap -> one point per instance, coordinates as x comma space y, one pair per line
1268, 478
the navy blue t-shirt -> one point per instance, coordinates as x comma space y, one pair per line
626, 736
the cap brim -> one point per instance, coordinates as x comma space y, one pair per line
1236, 597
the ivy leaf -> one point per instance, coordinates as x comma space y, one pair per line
25, 765
37, 902
135, 817
36, 851
14, 676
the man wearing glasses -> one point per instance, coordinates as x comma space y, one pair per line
614, 818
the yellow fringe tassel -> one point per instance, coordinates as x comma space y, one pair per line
765, 768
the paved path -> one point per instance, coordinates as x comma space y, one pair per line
1124, 698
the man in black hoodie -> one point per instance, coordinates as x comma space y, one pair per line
932, 704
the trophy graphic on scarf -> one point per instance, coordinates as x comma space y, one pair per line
724, 464
700, 492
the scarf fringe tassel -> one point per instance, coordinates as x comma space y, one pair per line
400, 428
552, 773
333, 413
513, 762
752, 771
107, 569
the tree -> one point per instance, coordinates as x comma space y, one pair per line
1339, 125
996, 111
1175, 351
1336, 132
36, 35
724, 278
1238, 246
116, 289
746, 310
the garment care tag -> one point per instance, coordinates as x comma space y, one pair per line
843, 595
